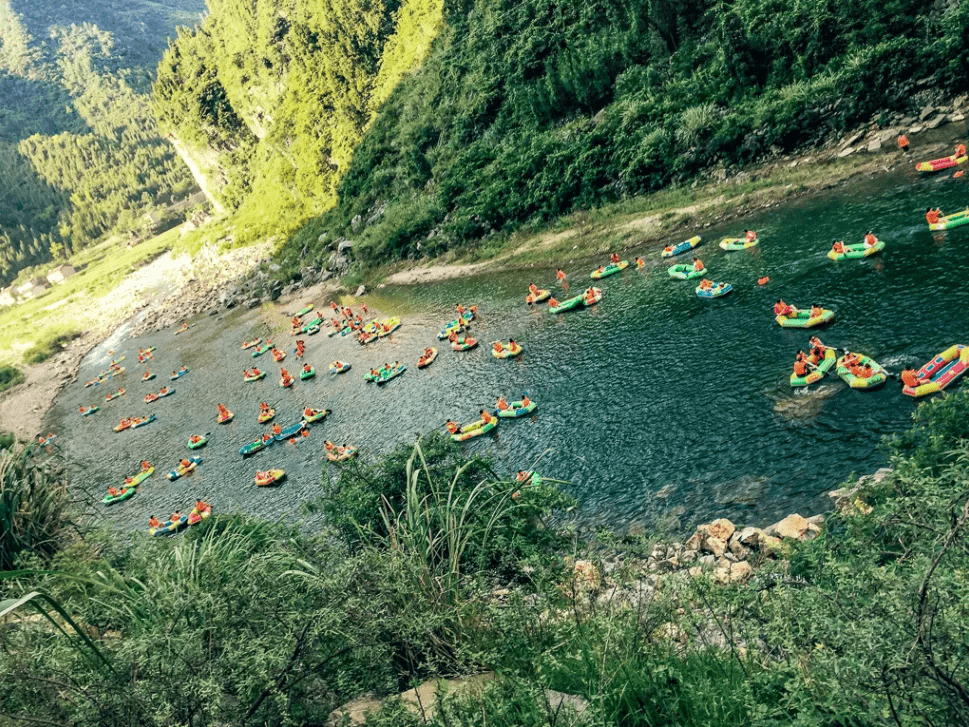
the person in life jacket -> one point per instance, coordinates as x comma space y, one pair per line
498, 347
783, 309
706, 284
838, 246
486, 416
501, 404
910, 377
932, 215
801, 367
903, 142
870, 239
560, 275
614, 258
452, 427
552, 303
277, 429
697, 264
153, 522
816, 311
640, 263
750, 235
590, 296
960, 150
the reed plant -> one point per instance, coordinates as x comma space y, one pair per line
33, 505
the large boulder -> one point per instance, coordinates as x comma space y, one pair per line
793, 527
734, 572
722, 529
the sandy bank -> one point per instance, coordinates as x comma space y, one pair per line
161, 293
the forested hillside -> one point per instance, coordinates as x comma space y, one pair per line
80, 153
527, 110
270, 99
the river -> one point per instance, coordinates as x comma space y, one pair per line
653, 404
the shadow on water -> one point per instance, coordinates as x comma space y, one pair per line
652, 404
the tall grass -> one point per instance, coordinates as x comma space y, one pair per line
33, 503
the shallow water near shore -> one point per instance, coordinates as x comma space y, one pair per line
653, 403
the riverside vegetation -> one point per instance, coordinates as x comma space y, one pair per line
431, 566
422, 127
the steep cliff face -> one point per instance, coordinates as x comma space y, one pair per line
203, 163
270, 99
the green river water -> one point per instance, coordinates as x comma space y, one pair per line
652, 404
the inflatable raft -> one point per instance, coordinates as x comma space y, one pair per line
197, 516
949, 221
685, 272
516, 409
386, 376
507, 351
937, 165
682, 247
464, 344
291, 431
878, 377
339, 454
856, 251
202, 441
248, 377
610, 269
474, 429
425, 361
941, 370
270, 477
180, 471
454, 326
732, 244
541, 296
717, 291
574, 302
169, 526
343, 368
304, 374
822, 367
804, 319
313, 415
252, 447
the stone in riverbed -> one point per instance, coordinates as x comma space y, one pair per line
793, 526
751, 537
721, 529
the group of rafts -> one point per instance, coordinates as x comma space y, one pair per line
857, 370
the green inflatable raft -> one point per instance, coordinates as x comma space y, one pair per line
685, 272
822, 367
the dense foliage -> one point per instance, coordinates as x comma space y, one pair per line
80, 153
524, 111
271, 98
244, 622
